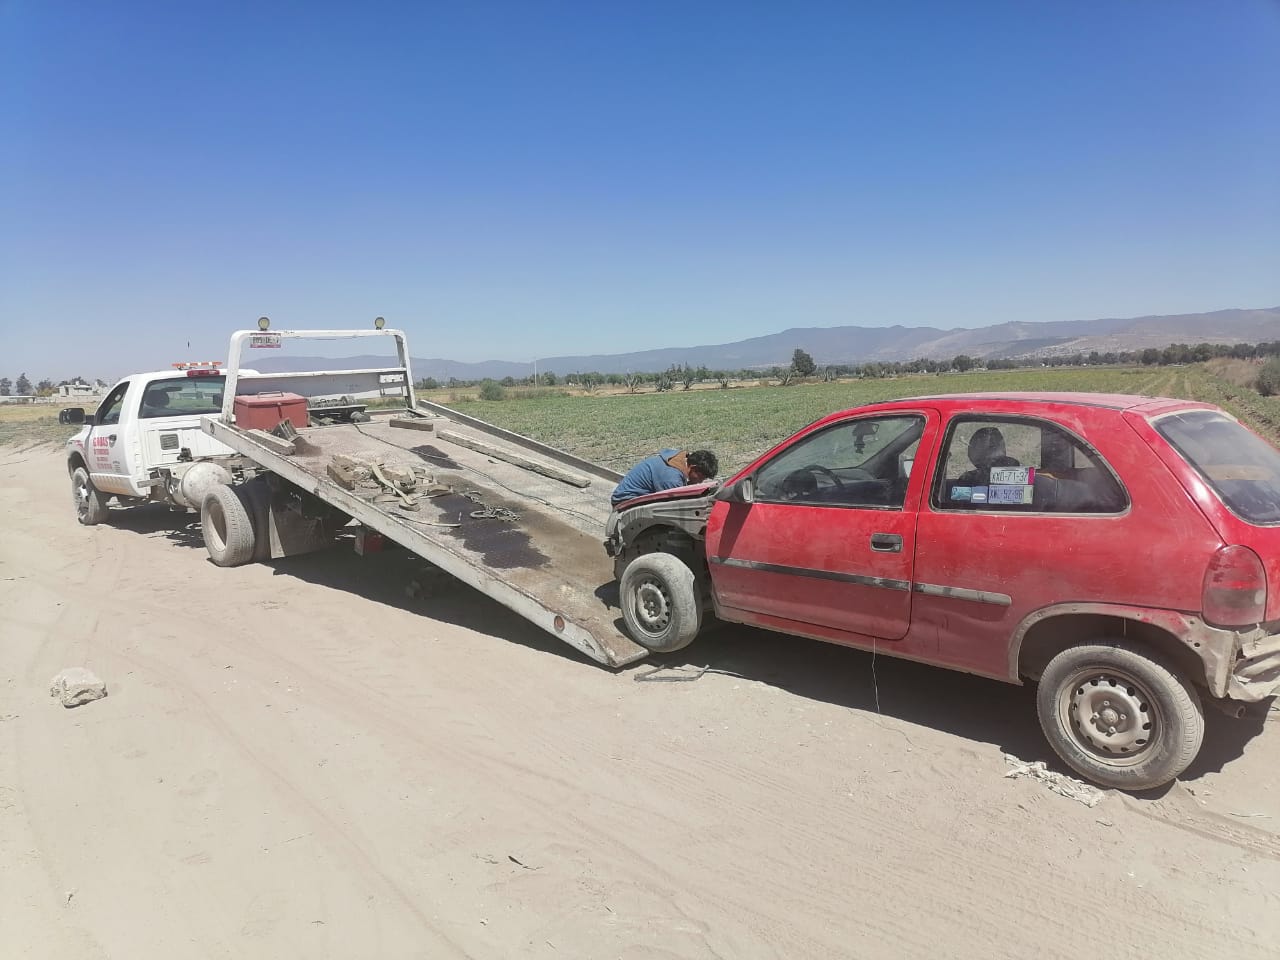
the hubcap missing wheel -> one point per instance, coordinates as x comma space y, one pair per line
652, 606
1109, 714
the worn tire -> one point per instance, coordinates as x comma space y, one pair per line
90, 504
660, 602
1119, 714
227, 526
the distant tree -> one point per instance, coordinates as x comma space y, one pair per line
631, 381
102, 384
44, 388
428, 383
963, 363
802, 363
6, 386
1268, 382
23, 385
688, 376
492, 390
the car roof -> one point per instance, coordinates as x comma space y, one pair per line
1107, 401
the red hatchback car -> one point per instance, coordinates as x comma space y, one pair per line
1120, 551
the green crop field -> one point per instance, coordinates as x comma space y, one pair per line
739, 424
742, 422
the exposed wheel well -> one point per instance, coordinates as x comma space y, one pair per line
75, 462
663, 538
1048, 637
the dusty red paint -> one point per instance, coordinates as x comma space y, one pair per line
1146, 563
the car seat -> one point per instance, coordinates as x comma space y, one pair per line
986, 450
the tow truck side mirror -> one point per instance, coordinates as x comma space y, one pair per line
743, 491
72, 415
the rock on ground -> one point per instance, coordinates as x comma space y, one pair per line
76, 685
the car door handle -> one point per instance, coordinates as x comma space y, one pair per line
886, 543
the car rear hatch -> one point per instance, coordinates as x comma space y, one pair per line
1234, 476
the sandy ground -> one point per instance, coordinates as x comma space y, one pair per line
295, 760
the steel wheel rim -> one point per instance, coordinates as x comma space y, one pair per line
1110, 715
652, 606
80, 490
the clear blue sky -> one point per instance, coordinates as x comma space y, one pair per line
512, 179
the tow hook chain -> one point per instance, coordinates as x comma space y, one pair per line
489, 513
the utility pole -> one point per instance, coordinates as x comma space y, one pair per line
535, 371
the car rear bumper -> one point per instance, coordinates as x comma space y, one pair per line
1255, 675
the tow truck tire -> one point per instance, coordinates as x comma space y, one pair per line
660, 602
227, 526
1119, 714
91, 506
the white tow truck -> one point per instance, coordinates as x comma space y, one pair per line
515, 519
144, 442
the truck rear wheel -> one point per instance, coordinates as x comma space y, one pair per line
660, 604
227, 526
1119, 715
91, 506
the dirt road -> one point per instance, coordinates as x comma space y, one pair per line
295, 760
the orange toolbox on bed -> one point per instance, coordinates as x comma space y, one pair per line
264, 411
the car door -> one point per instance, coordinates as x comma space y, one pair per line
829, 537
105, 446
1024, 513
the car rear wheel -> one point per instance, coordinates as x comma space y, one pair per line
91, 505
660, 602
1119, 715
227, 526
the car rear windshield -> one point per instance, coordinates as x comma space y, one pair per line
1242, 467
182, 397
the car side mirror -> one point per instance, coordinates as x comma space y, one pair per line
72, 415
744, 491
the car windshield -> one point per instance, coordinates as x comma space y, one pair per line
182, 397
1242, 467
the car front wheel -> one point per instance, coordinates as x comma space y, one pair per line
660, 603
1119, 715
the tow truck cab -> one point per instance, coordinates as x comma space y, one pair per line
145, 435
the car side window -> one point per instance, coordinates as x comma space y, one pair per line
109, 412
864, 462
1022, 465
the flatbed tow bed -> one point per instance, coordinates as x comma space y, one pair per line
548, 566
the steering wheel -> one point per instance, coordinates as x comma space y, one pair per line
802, 484
819, 468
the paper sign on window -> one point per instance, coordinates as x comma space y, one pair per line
1013, 476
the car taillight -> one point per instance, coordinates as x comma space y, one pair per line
1235, 588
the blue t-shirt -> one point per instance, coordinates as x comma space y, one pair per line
649, 476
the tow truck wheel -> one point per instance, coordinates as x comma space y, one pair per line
660, 602
91, 506
227, 526
1119, 715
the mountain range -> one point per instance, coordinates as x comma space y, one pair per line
853, 344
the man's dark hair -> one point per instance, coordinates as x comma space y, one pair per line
705, 461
